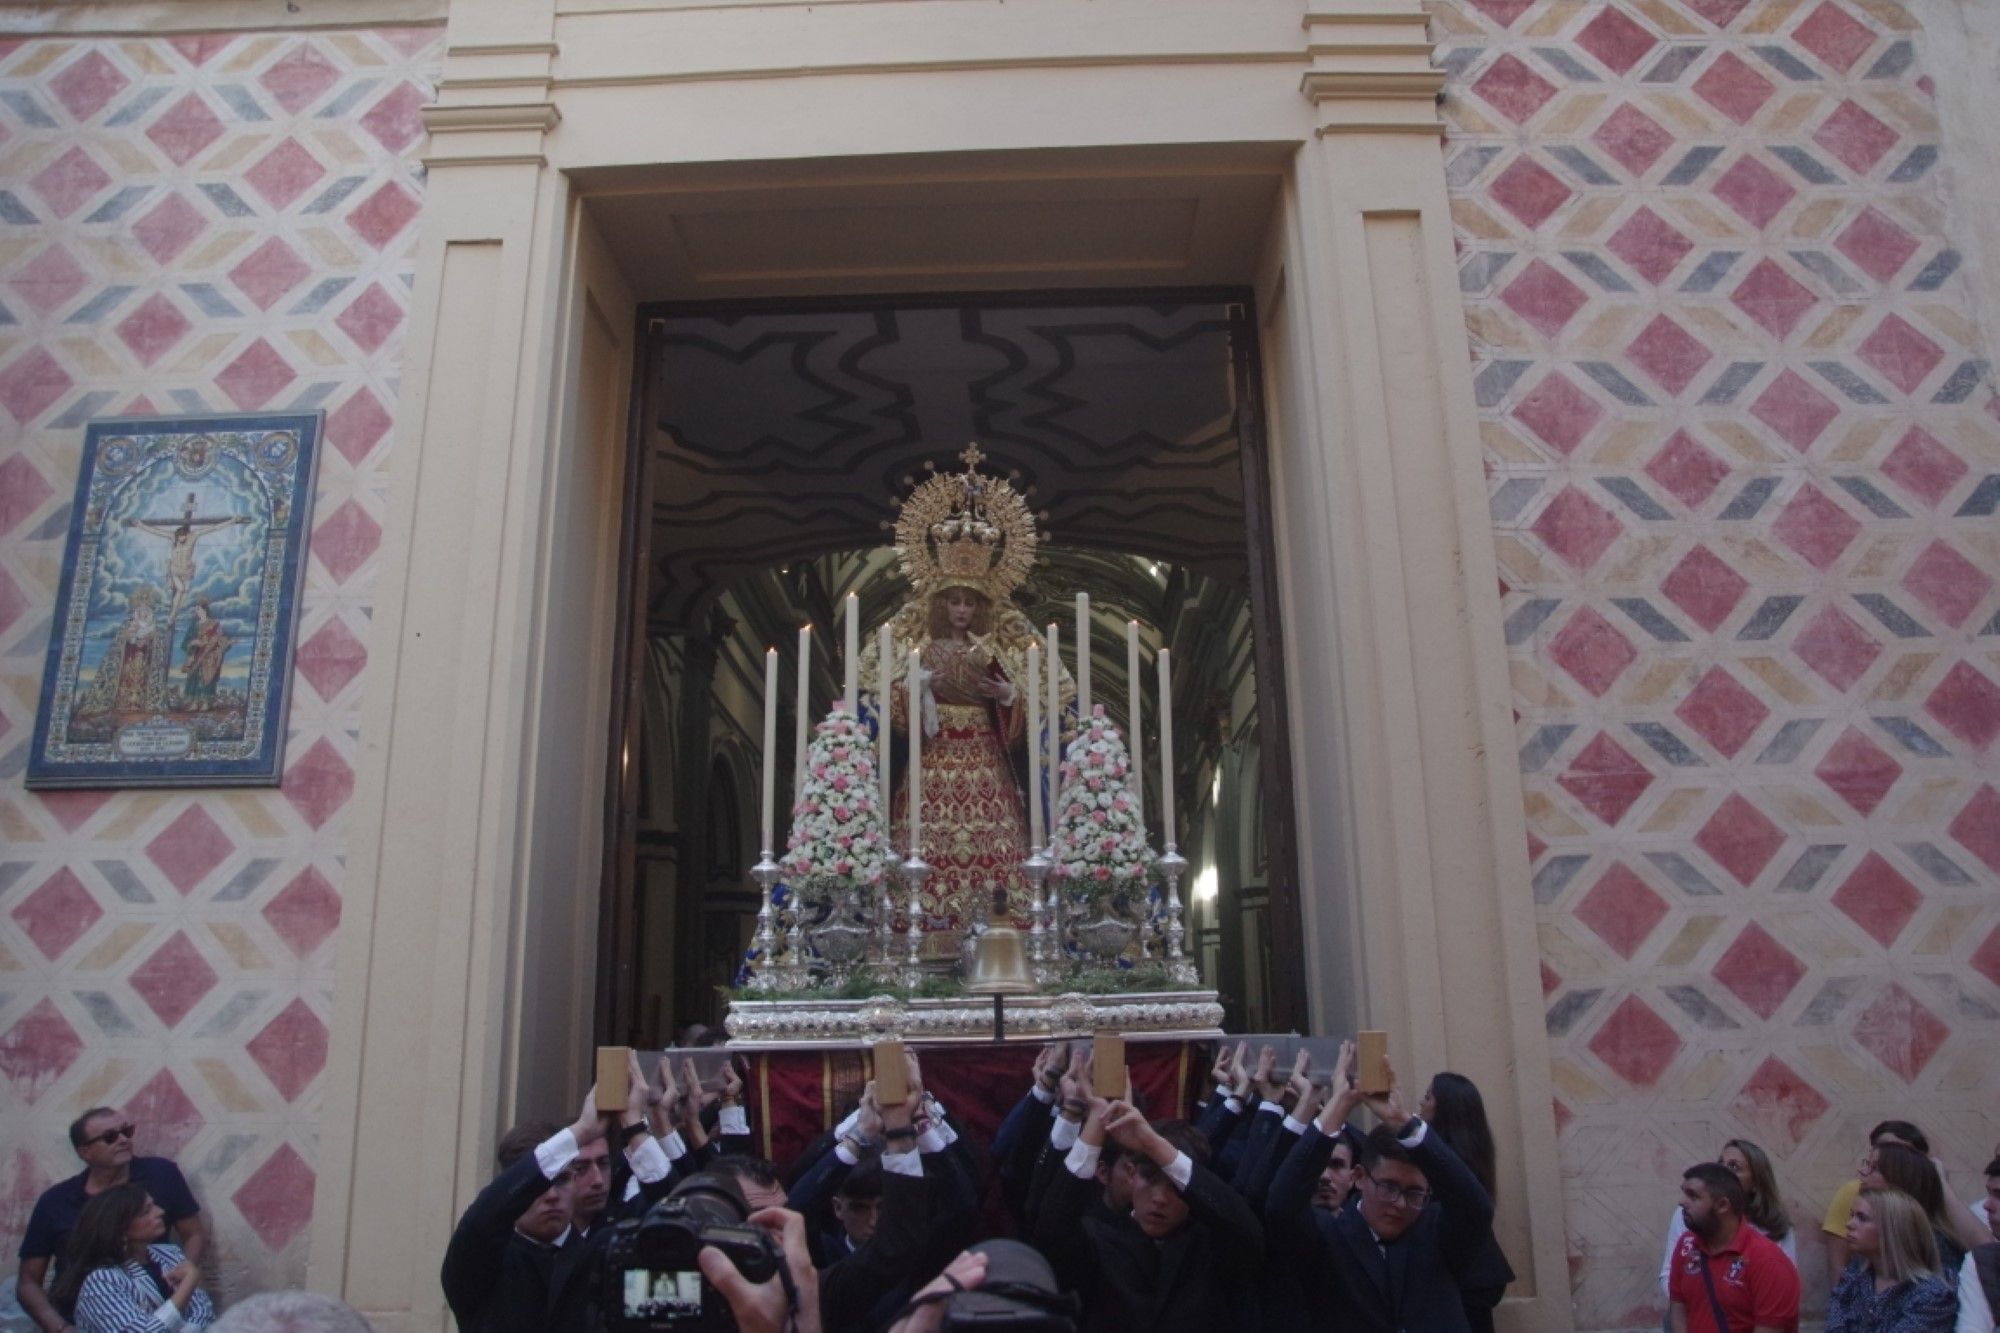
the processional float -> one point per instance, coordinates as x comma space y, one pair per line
943, 910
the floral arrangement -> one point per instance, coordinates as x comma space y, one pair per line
838, 839
1098, 841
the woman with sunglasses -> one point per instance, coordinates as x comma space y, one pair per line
103, 1139
119, 1276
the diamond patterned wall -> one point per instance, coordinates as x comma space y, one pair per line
1741, 438
207, 223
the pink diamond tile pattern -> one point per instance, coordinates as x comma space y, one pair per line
189, 229
1735, 395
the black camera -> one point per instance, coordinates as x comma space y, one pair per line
650, 1277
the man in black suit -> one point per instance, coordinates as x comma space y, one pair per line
1187, 1256
516, 1261
1394, 1261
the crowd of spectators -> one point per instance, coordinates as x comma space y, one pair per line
1282, 1202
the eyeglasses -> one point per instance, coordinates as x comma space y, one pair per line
111, 1136
1388, 1191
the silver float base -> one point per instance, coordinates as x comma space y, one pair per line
809, 1021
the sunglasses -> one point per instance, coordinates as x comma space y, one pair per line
111, 1136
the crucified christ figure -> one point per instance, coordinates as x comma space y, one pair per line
182, 533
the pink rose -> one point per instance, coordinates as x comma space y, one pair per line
840, 813
843, 867
1095, 784
1075, 811
1097, 817
1097, 733
840, 753
843, 842
840, 782
1104, 872
1121, 805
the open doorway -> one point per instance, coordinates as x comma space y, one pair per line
773, 442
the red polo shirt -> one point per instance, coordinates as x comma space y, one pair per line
1754, 1282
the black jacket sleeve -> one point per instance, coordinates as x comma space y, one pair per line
478, 1244
1265, 1126
1058, 1232
1465, 1212
1239, 1236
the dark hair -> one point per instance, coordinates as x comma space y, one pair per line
863, 1182
1459, 1116
1382, 1145
746, 1169
521, 1140
1764, 1207
97, 1241
1904, 1130
1993, 1167
76, 1134
1721, 1183
1186, 1137
1910, 1172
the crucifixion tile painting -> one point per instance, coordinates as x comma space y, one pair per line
172, 643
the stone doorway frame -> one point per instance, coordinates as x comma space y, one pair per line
470, 903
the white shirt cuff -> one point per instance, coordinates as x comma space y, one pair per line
734, 1120
1041, 1094
1235, 1105
631, 1188
169, 1316
1180, 1171
1064, 1134
903, 1163
931, 1141
847, 1155
554, 1154
1273, 1108
1082, 1160
847, 1125
1423, 1128
674, 1146
944, 1130
648, 1161
1294, 1126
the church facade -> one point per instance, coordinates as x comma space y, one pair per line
1635, 449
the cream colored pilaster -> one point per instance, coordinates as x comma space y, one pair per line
420, 1071
1436, 838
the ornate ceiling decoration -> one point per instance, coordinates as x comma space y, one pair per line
782, 436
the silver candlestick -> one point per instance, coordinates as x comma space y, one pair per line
915, 871
1036, 871
1172, 865
766, 874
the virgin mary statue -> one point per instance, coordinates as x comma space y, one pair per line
966, 542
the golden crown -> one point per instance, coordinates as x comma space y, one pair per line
966, 530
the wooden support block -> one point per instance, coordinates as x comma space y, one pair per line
1371, 1051
613, 1085
892, 1078
1107, 1056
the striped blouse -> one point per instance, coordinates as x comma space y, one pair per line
124, 1299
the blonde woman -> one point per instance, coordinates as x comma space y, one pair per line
1893, 1283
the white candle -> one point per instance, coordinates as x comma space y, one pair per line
914, 715
770, 743
1167, 748
1054, 659
1034, 693
799, 747
1135, 716
851, 662
1083, 659
884, 665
